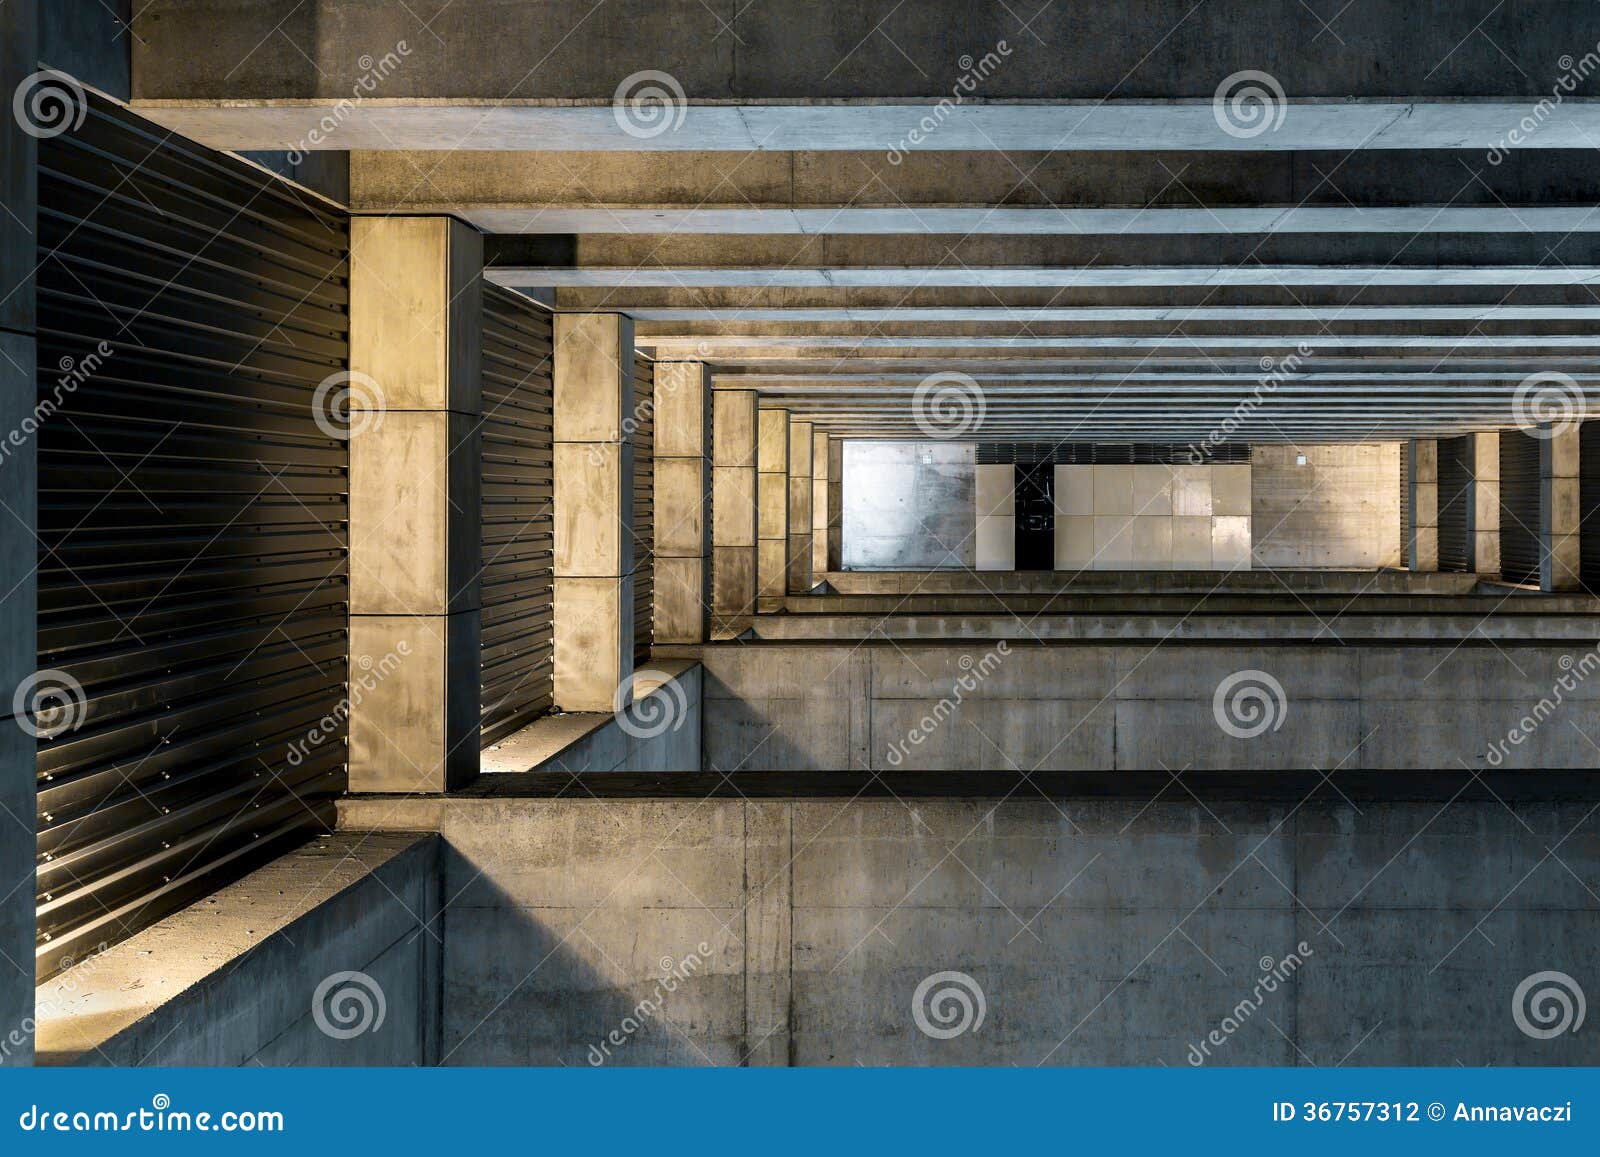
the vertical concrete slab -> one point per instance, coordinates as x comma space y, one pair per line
19, 53
819, 504
1560, 509
593, 366
682, 502
416, 305
1422, 479
835, 504
995, 506
801, 481
1483, 505
733, 508
772, 509
768, 931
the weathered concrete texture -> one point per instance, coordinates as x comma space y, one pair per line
658, 731
1340, 508
908, 505
1560, 509
233, 979
1144, 706
1422, 504
1105, 932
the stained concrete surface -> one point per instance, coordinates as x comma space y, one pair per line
908, 505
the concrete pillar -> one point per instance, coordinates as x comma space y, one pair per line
835, 503
593, 477
1483, 504
772, 509
1560, 563
733, 508
683, 502
1422, 479
996, 514
416, 307
19, 54
819, 504
800, 484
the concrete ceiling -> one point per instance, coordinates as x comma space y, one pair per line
1150, 221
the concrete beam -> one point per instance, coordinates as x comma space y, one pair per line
1483, 504
733, 508
415, 328
682, 502
1422, 479
772, 508
1560, 508
802, 479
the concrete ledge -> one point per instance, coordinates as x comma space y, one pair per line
659, 731
230, 980
941, 582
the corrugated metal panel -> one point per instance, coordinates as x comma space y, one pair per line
644, 506
517, 665
192, 523
1455, 476
1110, 453
1405, 504
1519, 507
1589, 502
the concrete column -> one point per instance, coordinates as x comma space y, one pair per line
1483, 504
683, 501
593, 467
19, 551
996, 513
416, 307
1422, 479
1560, 516
733, 508
819, 505
835, 503
800, 484
772, 509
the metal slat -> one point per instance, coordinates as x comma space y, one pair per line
1519, 507
192, 522
1455, 476
644, 507
517, 665
1589, 501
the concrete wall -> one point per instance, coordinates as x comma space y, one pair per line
1142, 706
1152, 517
1340, 508
908, 505
1105, 932
235, 978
